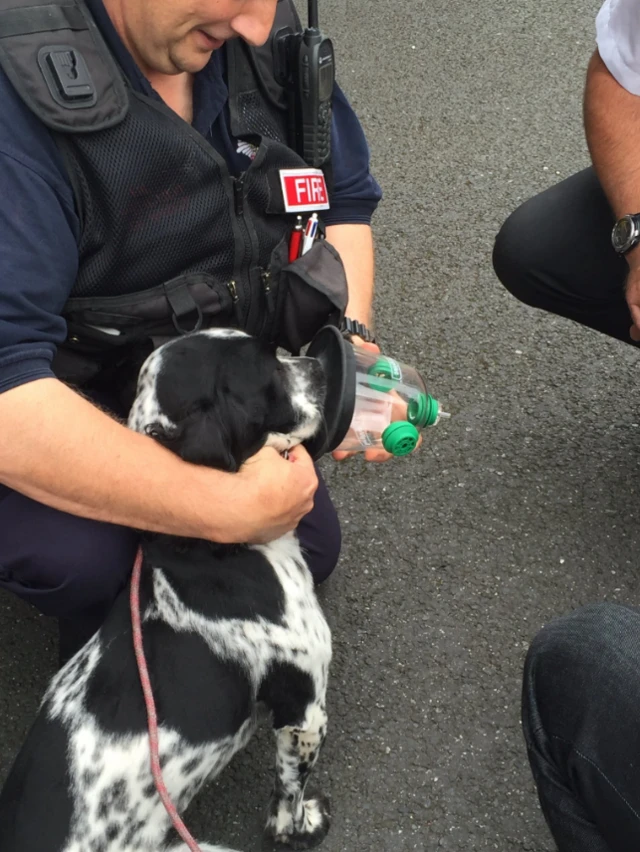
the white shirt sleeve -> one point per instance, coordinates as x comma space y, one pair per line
618, 39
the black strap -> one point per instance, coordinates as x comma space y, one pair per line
183, 304
40, 19
56, 59
352, 328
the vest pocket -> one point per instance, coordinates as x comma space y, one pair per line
105, 329
304, 295
184, 304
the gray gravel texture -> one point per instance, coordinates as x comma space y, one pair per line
519, 509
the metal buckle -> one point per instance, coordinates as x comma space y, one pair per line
67, 76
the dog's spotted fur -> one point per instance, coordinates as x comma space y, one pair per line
227, 630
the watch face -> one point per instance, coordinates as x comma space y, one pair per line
623, 232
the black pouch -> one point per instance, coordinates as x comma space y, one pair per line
103, 330
186, 303
304, 295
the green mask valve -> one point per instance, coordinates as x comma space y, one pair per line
385, 368
400, 438
423, 410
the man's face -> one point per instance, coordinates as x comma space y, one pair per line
173, 36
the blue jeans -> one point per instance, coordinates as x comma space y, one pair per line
581, 718
73, 568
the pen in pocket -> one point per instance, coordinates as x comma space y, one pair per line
295, 241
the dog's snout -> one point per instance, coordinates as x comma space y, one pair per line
315, 375
307, 380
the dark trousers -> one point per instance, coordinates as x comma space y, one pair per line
554, 252
73, 568
581, 719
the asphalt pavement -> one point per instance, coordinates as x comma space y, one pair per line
520, 508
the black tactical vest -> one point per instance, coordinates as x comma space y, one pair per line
170, 241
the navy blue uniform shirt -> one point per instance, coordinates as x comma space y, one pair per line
39, 229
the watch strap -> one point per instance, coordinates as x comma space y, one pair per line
352, 328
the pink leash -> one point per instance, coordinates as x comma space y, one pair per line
152, 717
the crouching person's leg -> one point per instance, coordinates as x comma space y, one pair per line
68, 567
320, 535
581, 723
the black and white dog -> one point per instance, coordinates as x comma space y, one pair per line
227, 630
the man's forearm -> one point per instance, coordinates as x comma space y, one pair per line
59, 449
612, 126
354, 243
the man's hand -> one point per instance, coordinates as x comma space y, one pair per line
369, 455
279, 493
373, 455
633, 292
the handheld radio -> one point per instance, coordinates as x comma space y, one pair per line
305, 67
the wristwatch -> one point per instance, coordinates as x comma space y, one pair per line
626, 233
353, 328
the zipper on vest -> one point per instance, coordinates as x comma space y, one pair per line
268, 328
265, 277
232, 287
243, 298
238, 195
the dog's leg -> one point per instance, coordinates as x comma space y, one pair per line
292, 821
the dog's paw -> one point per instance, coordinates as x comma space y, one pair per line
314, 828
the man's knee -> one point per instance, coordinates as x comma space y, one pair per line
90, 577
573, 660
517, 253
323, 550
320, 535
601, 627
61, 564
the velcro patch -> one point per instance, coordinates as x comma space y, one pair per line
304, 190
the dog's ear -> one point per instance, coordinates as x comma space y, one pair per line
202, 438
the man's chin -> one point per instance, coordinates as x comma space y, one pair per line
192, 57
191, 62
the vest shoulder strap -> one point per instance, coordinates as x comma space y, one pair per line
56, 59
251, 70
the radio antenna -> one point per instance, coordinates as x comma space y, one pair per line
313, 14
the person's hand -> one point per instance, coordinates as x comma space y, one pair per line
373, 455
633, 295
363, 344
633, 300
369, 455
280, 493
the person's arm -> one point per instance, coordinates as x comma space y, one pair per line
354, 244
354, 197
61, 450
612, 126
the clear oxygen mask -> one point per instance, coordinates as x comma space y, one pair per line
373, 401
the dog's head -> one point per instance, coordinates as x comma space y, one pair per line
216, 397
